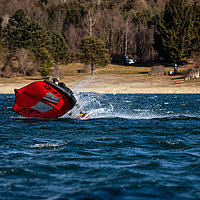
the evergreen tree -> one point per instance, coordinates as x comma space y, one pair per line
45, 60
37, 36
21, 32
59, 49
196, 28
174, 36
75, 13
93, 52
15, 32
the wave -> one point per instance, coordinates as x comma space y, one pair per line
48, 145
173, 144
134, 107
102, 113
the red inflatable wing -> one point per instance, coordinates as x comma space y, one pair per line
43, 99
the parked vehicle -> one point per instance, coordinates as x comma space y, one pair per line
129, 61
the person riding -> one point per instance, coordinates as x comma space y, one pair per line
61, 84
76, 112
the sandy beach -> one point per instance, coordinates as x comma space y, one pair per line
114, 79
130, 84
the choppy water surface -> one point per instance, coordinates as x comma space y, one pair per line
133, 147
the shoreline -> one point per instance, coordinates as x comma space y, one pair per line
123, 84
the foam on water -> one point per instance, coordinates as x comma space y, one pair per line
100, 106
48, 145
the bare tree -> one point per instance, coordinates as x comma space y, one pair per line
23, 63
73, 37
5, 20
35, 12
98, 2
110, 29
8, 7
144, 43
129, 32
90, 20
19, 63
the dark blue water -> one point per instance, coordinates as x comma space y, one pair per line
133, 147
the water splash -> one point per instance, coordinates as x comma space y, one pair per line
82, 84
96, 104
104, 106
129, 106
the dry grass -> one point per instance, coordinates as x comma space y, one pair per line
72, 68
70, 72
114, 79
122, 70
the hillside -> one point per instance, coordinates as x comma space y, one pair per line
36, 35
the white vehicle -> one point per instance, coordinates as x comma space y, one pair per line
129, 61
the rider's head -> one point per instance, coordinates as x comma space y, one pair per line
56, 80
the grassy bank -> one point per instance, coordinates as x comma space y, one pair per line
114, 79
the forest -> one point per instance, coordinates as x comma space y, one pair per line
36, 35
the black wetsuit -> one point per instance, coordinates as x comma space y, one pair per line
62, 85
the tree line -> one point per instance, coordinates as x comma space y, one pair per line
38, 34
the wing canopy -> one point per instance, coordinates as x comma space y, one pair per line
43, 99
